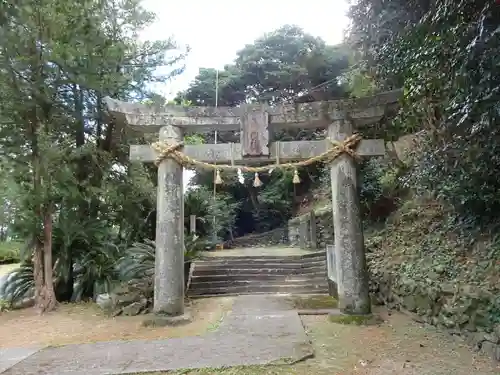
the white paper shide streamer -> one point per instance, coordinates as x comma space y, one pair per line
241, 179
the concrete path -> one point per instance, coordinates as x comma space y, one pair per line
260, 330
10, 357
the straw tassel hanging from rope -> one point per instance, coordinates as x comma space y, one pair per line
278, 150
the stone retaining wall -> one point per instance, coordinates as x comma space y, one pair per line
324, 226
276, 236
302, 231
323, 223
465, 310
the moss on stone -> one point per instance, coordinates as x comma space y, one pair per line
314, 302
359, 320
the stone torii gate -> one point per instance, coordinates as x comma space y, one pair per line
340, 117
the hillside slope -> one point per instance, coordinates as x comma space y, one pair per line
420, 264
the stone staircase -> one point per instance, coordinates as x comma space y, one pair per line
234, 275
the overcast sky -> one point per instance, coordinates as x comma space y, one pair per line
215, 30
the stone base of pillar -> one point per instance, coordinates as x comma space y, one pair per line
158, 320
333, 289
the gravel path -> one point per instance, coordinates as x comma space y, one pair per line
259, 330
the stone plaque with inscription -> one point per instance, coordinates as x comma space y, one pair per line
254, 133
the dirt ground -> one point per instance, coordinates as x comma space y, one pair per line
84, 322
397, 347
6, 268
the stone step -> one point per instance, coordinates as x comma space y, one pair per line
292, 258
302, 274
263, 289
258, 276
259, 265
227, 271
230, 294
265, 258
196, 284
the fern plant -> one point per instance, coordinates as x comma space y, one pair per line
139, 259
19, 283
96, 271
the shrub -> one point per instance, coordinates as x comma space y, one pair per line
20, 283
139, 259
9, 252
379, 182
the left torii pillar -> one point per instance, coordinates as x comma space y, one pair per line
169, 261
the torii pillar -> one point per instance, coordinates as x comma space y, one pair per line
169, 253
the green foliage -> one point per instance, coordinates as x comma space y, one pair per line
287, 61
437, 254
277, 66
20, 284
316, 302
139, 259
193, 245
357, 78
358, 320
427, 259
9, 252
90, 247
445, 55
62, 157
96, 271
200, 201
85, 257
371, 174
380, 190
274, 199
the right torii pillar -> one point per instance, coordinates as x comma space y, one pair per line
350, 260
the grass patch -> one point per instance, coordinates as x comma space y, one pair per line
9, 252
215, 325
358, 320
314, 302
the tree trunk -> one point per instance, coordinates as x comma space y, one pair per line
252, 192
104, 145
50, 296
38, 246
38, 275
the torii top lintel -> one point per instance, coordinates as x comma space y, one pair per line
363, 111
